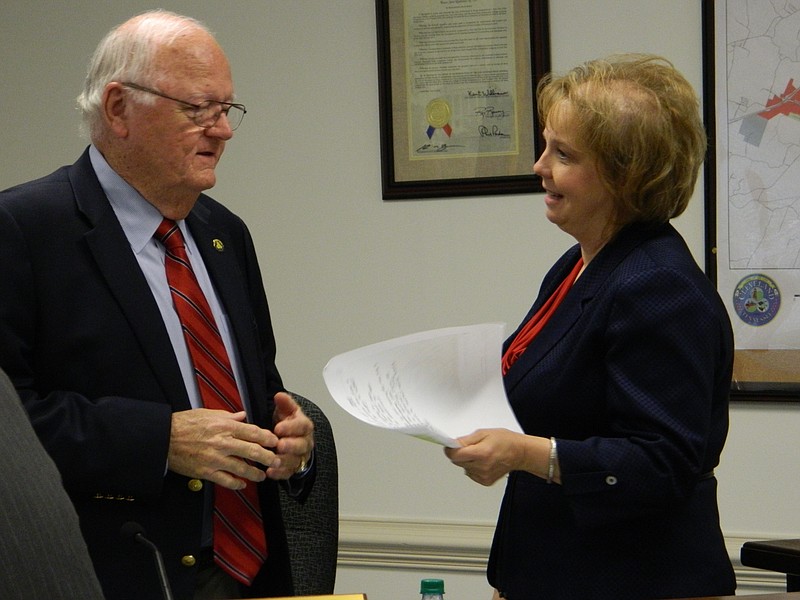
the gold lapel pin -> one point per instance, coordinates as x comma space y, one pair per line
218, 245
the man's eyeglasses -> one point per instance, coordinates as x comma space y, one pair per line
206, 113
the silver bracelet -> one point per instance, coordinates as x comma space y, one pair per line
551, 462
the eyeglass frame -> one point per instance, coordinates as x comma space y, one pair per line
229, 105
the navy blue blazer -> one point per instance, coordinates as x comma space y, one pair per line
83, 341
631, 375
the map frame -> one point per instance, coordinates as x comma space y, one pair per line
761, 372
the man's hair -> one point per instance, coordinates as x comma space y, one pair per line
127, 53
639, 119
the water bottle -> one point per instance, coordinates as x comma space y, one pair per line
432, 589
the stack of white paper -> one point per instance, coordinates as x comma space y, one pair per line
436, 385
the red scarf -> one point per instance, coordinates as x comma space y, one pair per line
538, 320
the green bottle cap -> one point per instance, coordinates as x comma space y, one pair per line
432, 586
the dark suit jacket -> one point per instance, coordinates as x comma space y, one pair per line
631, 375
43, 553
83, 341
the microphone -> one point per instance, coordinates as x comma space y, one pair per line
134, 531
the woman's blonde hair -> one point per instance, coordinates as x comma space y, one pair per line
639, 118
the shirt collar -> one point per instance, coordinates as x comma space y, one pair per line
139, 219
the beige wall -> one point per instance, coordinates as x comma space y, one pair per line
344, 268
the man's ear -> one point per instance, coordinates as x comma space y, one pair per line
114, 109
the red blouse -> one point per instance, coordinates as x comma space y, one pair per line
538, 320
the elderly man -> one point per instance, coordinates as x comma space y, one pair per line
136, 330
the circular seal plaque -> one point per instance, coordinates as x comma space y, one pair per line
438, 113
756, 299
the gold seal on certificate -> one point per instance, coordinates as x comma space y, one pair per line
438, 113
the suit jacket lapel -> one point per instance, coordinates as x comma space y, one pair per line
582, 292
219, 255
560, 322
118, 266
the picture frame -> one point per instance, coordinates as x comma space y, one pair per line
456, 85
742, 93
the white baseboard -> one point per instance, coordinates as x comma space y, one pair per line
373, 543
464, 547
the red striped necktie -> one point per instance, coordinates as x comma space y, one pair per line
240, 546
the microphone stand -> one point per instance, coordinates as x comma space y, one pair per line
136, 531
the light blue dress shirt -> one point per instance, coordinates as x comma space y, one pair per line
139, 220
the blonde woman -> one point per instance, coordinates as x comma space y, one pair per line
620, 373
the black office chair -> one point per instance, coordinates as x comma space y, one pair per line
312, 528
781, 556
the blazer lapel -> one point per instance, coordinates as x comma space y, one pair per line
582, 292
560, 322
217, 248
118, 266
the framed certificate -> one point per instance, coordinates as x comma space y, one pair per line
457, 85
751, 57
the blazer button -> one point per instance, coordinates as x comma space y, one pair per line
188, 560
611, 480
195, 485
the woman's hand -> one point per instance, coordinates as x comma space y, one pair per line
489, 454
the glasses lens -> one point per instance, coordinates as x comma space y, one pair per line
235, 116
209, 113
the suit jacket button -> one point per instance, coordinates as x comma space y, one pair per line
195, 485
188, 560
611, 480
